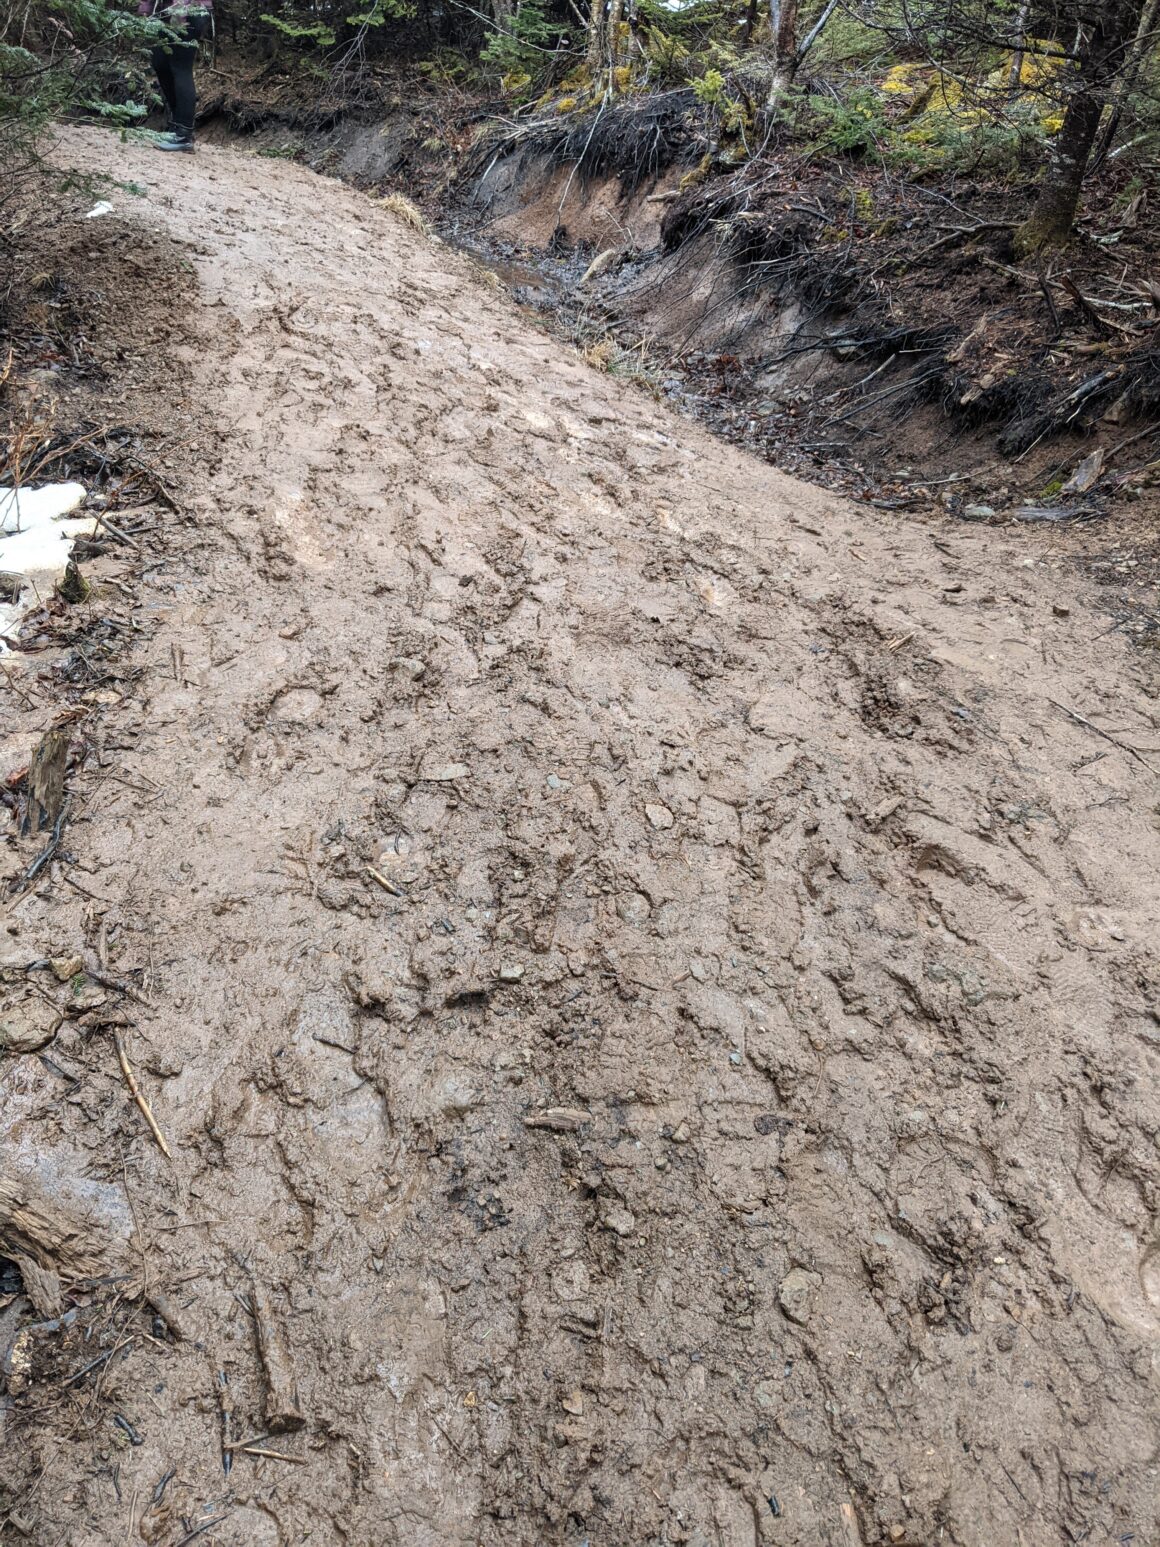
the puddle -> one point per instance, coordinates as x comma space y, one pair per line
528, 282
37, 532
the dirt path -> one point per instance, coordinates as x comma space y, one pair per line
517, 747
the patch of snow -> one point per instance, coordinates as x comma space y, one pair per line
103, 208
35, 543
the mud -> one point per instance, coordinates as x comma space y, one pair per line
647, 972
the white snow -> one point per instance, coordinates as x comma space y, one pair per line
35, 543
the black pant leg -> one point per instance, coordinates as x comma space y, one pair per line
184, 91
162, 60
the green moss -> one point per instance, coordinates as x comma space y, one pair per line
697, 176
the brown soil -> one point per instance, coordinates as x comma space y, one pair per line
647, 972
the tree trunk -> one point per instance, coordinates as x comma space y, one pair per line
783, 25
1101, 59
788, 52
1015, 78
783, 20
1050, 222
1145, 38
615, 21
749, 23
597, 35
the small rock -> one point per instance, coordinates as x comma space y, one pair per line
88, 995
618, 1219
27, 1026
735, 1058
1060, 610
445, 773
660, 816
165, 1065
66, 967
511, 972
682, 1133
573, 1403
796, 1292
977, 512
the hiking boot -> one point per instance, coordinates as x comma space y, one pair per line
175, 140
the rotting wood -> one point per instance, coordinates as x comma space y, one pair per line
558, 1119
46, 776
57, 1238
283, 1406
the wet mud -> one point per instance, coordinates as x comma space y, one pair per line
647, 973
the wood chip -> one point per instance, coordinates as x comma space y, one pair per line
558, 1119
283, 1405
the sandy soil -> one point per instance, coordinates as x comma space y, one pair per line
650, 992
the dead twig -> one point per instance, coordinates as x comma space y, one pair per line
135, 1092
272, 1455
206, 1525
387, 886
1107, 735
109, 980
956, 233
115, 531
1101, 324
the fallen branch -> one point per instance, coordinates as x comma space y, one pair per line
954, 233
115, 531
1107, 735
135, 1091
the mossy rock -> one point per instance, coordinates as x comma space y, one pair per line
697, 176
73, 588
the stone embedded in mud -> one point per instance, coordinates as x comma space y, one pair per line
796, 1292
28, 1025
444, 773
660, 816
87, 994
618, 1219
511, 972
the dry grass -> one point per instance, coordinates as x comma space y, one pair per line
404, 209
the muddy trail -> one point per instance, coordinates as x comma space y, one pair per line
647, 973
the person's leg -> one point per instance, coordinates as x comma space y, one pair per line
184, 91
163, 69
182, 56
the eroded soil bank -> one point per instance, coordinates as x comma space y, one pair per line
646, 971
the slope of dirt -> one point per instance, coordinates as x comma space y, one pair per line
647, 973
